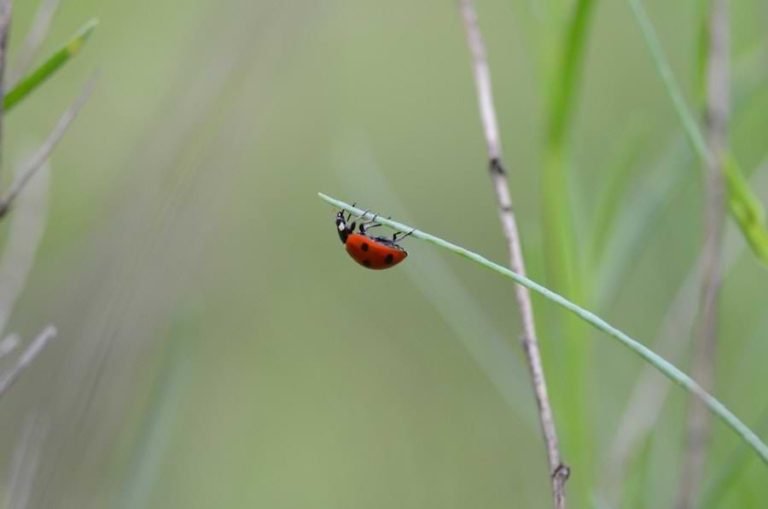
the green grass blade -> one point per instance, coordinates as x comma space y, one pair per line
746, 209
742, 204
33, 80
664, 366
563, 258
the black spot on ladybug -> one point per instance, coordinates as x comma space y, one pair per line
389, 259
367, 263
364, 246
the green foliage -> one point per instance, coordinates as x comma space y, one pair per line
41, 74
745, 208
564, 259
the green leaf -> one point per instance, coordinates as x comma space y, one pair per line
746, 209
33, 80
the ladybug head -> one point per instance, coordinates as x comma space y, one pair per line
342, 228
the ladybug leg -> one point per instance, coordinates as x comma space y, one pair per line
365, 213
395, 239
364, 227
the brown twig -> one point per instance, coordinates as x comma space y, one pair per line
717, 111
558, 471
8, 378
38, 159
34, 40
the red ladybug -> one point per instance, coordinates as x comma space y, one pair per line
371, 252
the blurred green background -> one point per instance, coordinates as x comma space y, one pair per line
218, 348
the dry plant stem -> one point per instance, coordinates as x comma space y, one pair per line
558, 471
42, 154
8, 378
33, 41
717, 111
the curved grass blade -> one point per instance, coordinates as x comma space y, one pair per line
33, 80
665, 367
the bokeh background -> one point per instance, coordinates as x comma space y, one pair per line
218, 348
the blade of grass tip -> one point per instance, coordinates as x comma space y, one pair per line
60, 57
745, 208
664, 366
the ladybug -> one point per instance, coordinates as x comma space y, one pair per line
375, 253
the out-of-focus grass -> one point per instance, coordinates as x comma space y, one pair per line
187, 190
745, 208
562, 251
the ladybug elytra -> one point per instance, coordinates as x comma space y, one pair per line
371, 252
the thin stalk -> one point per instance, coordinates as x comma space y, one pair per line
665, 367
558, 472
705, 349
